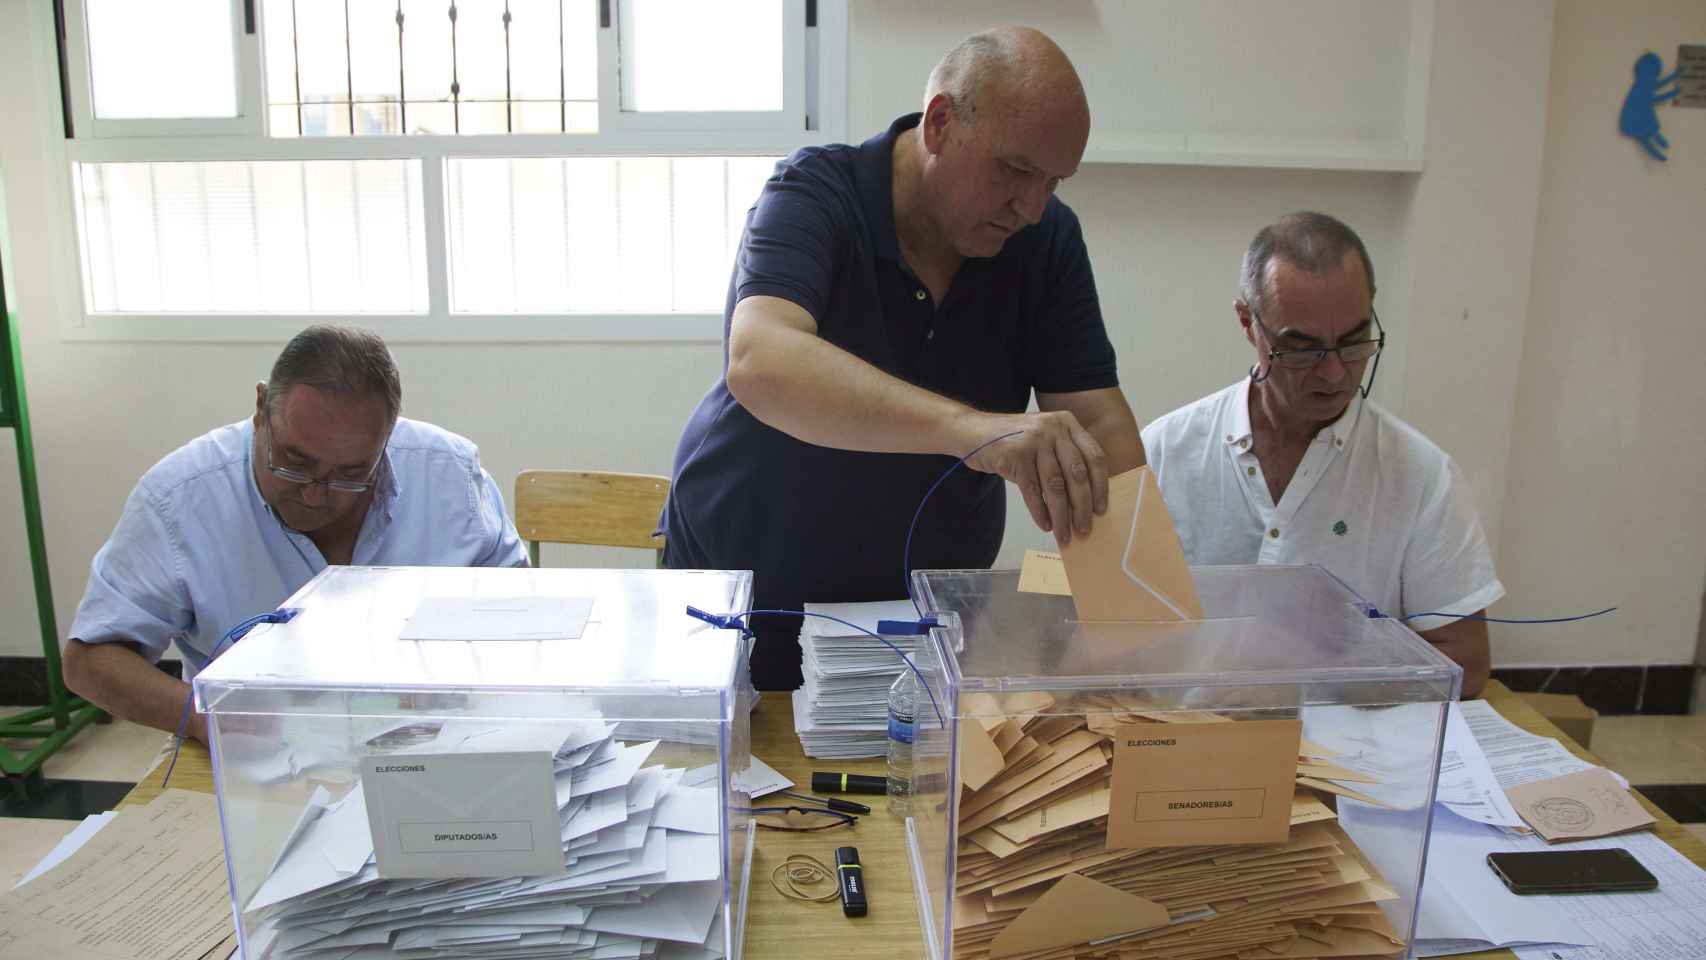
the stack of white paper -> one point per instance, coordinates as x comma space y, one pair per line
642, 871
841, 712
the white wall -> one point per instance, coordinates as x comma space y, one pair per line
1453, 246
1606, 501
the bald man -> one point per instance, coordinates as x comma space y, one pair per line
894, 305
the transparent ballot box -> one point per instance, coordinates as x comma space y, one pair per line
435, 762
1256, 784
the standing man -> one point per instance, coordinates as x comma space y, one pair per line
894, 305
1293, 465
235, 521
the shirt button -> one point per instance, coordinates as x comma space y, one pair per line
931, 335
919, 295
1338, 443
1249, 471
1229, 438
1274, 533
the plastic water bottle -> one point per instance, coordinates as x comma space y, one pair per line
903, 702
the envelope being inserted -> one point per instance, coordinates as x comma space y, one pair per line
1130, 567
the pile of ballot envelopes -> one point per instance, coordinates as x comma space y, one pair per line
641, 868
1038, 878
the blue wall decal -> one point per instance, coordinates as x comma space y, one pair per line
1639, 119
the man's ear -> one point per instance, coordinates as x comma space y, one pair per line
1245, 318
260, 401
938, 118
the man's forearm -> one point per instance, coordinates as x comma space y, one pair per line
118, 680
814, 391
1465, 641
1117, 432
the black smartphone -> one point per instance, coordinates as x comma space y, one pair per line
1572, 871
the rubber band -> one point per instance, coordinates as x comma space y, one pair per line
804, 870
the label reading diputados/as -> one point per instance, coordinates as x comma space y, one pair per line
463, 814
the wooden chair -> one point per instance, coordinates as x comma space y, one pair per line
589, 507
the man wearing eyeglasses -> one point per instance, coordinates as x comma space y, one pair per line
1293, 464
234, 522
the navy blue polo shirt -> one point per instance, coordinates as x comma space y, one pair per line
824, 525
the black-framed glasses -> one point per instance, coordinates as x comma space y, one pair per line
1307, 359
304, 480
799, 819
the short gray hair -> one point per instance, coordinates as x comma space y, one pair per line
966, 69
338, 360
1311, 242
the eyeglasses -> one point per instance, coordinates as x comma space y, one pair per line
800, 819
1349, 353
302, 479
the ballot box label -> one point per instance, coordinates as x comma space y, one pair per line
1190, 784
1174, 805
450, 815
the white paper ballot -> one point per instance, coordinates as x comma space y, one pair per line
639, 866
463, 814
1467, 784
498, 618
72, 842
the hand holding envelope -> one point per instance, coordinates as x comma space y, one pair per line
1129, 567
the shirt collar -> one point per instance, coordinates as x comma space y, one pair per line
875, 173
1238, 434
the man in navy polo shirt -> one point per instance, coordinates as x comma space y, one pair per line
893, 306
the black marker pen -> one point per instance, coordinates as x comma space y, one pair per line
848, 783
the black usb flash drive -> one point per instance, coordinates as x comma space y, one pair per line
852, 878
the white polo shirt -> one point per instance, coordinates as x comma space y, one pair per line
1374, 502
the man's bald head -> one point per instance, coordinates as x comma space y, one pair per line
1009, 69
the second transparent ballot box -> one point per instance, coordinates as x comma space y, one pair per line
447, 762
1254, 784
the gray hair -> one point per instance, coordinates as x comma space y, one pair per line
338, 360
1311, 242
966, 69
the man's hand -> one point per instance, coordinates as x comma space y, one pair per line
1059, 468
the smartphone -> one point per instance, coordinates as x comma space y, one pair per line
1572, 871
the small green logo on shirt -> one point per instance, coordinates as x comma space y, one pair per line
1340, 528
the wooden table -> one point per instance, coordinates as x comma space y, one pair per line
778, 927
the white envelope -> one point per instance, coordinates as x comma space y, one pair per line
680, 912
463, 814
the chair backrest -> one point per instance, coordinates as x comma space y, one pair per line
589, 507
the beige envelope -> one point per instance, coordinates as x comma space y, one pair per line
1589, 803
1185, 784
980, 758
1043, 572
1076, 910
1131, 567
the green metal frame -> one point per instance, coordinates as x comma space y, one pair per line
55, 724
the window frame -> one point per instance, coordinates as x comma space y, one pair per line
816, 66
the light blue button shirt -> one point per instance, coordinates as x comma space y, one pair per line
198, 551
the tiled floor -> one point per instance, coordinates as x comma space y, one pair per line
92, 772
120, 751
1653, 749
